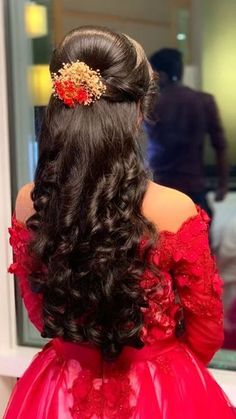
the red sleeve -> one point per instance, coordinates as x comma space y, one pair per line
199, 287
23, 265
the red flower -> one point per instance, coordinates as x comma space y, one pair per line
109, 397
82, 96
112, 391
82, 385
69, 101
70, 94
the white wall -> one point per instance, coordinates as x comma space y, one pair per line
219, 62
6, 288
151, 24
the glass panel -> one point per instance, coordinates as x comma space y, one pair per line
219, 78
29, 41
33, 30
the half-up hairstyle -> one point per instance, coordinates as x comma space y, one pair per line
90, 183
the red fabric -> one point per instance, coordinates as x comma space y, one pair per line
24, 264
187, 266
164, 380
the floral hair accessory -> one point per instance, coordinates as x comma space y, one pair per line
76, 83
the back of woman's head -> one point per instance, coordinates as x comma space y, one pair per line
126, 74
89, 186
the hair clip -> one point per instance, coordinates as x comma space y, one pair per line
76, 83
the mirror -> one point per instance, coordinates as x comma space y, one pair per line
206, 41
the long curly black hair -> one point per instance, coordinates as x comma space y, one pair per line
90, 183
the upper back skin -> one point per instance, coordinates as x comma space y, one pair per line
166, 208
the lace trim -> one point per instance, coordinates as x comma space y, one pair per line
98, 397
185, 261
23, 265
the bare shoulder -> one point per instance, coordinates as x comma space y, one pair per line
167, 208
24, 205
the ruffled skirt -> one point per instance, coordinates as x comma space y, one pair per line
70, 381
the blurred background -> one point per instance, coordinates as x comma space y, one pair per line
204, 31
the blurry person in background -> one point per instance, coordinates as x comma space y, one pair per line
182, 119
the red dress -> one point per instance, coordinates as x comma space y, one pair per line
167, 379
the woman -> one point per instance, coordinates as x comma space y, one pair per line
109, 262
